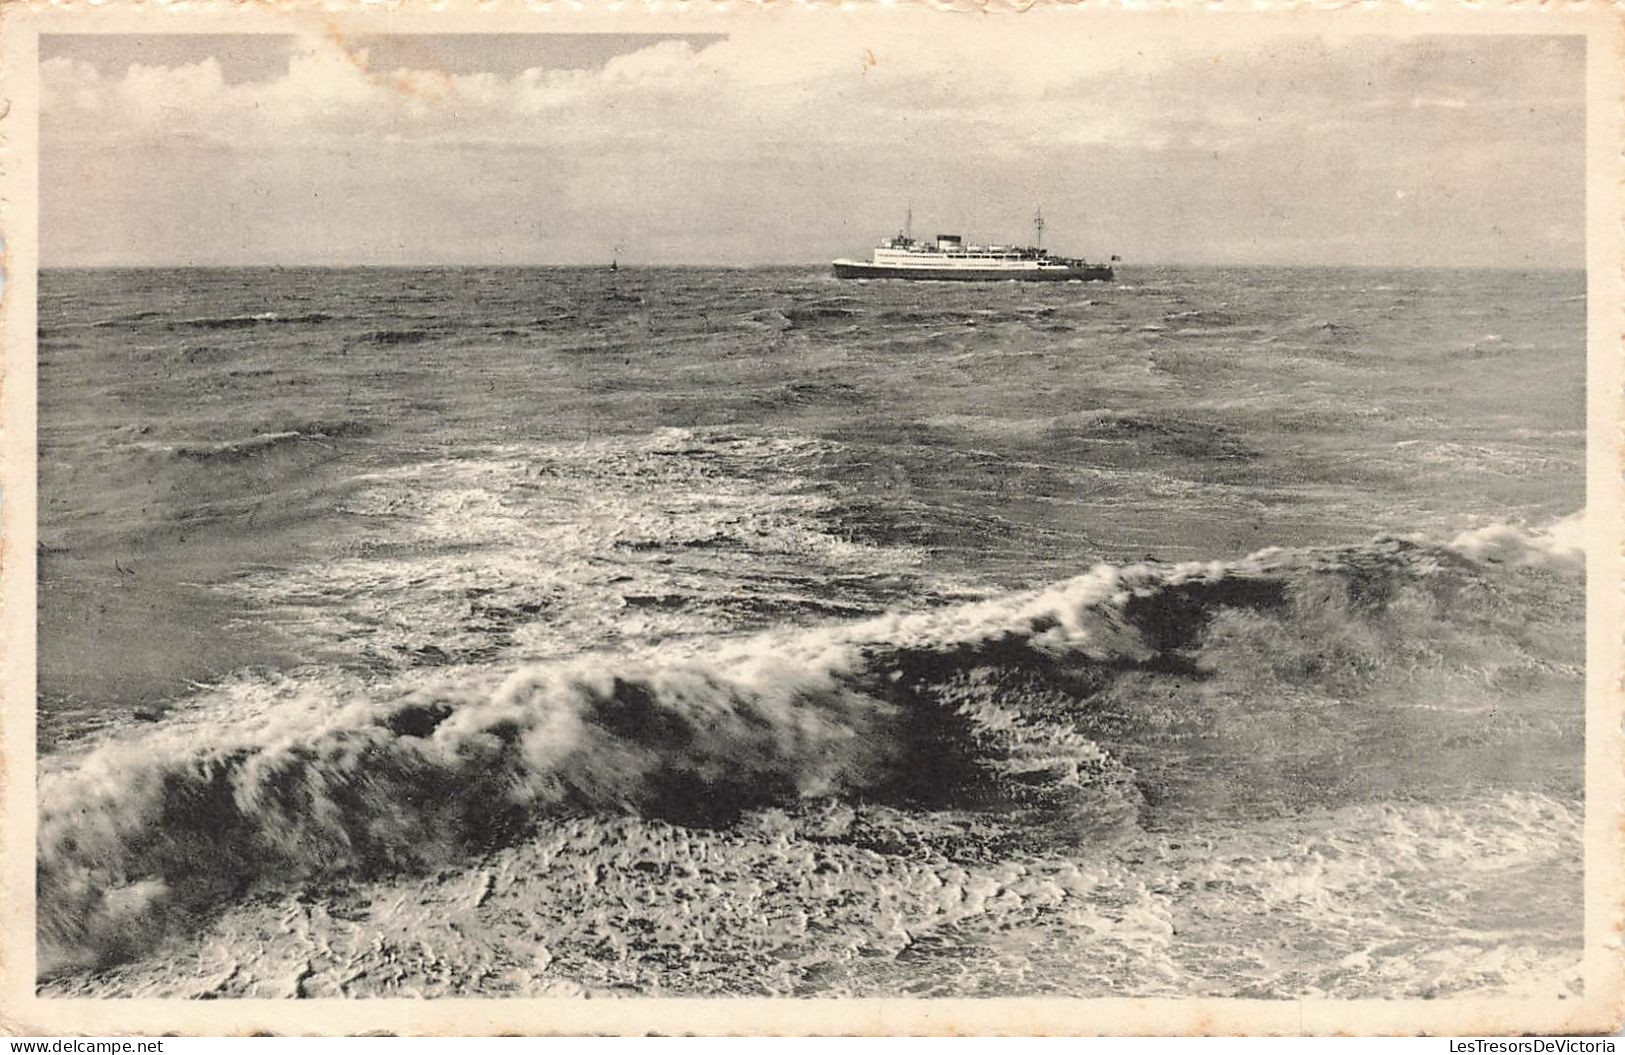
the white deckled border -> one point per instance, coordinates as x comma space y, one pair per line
1603, 1003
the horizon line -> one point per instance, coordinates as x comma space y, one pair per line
600, 266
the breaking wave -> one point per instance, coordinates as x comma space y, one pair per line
1560, 544
251, 446
1010, 709
243, 322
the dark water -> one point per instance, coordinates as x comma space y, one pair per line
863, 617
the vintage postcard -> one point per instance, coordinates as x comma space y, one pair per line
812, 519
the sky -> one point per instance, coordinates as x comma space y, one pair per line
800, 140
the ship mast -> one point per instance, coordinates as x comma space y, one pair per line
1038, 228
908, 223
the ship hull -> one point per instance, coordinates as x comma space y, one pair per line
852, 269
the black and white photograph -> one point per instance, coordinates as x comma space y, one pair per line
818, 505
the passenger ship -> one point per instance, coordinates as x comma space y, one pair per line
949, 259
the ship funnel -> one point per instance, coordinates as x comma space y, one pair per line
947, 242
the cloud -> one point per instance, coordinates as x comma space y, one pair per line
794, 139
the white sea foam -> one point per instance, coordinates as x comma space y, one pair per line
1364, 901
1560, 544
540, 550
921, 708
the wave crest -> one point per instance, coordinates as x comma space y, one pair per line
1010, 708
1559, 545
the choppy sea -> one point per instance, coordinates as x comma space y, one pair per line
747, 632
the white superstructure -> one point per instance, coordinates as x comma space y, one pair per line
947, 257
